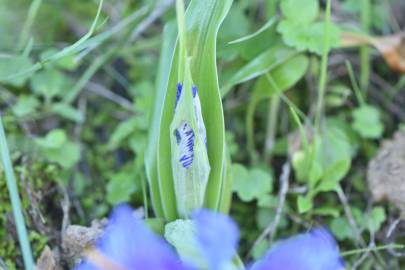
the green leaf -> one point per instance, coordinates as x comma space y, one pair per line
54, 139
167, 51
301, 165
67, 62
203, 19
267, 201
337, 170
327, 211
226, 189
265, 216
341, 228
68, 112
260, 249
267, 25
18, 213
300, 11
120, 188
181, 234
49, 83
137, 143
122, 131
336, 153
285, 76
250, 184
337, 95
25, 106
66, 156
236, 24
307, 164
265, 62
367, 122
12, 65
376, 219
304, 203
326, 162
308, 37
56, 147
190, 181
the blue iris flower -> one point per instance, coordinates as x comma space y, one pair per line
315, 250
130, 245
217, 236
127, 244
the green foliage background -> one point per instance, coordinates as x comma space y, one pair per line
78, 124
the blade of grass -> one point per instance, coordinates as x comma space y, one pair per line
362, 250
365, 50
75, 47
266, 26
15, 201
355, 86
324, 67
32, 13
165, 62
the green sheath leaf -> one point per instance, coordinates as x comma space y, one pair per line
202, 22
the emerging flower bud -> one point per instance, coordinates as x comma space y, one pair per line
190, 163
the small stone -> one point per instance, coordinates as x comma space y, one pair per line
77, 238
48, 260
386, 172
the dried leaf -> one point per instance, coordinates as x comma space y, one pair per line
392, 47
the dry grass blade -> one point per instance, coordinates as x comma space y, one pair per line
392, 47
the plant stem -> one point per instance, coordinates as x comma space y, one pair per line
324, 68
361, 250
355, 86
15, 201
274, 105
365, 50
32, 13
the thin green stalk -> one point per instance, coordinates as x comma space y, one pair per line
32, 13
182, 38
362, 250
274, 105
284, 97
15, 201
75, 47
324, 67
138, 165
100, 61
303, 134
397, 87
355, 86
365, 50
88, 74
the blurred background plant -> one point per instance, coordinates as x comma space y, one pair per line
77, 91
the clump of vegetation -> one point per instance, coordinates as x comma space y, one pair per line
275, 112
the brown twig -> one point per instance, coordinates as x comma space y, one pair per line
100, 90
346, 207
65, 204
272, 227
160, 9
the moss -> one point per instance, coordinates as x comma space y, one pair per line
39, 176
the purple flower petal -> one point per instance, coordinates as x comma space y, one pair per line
217, 235
194, 90
316, 250
178, 93
129, 244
